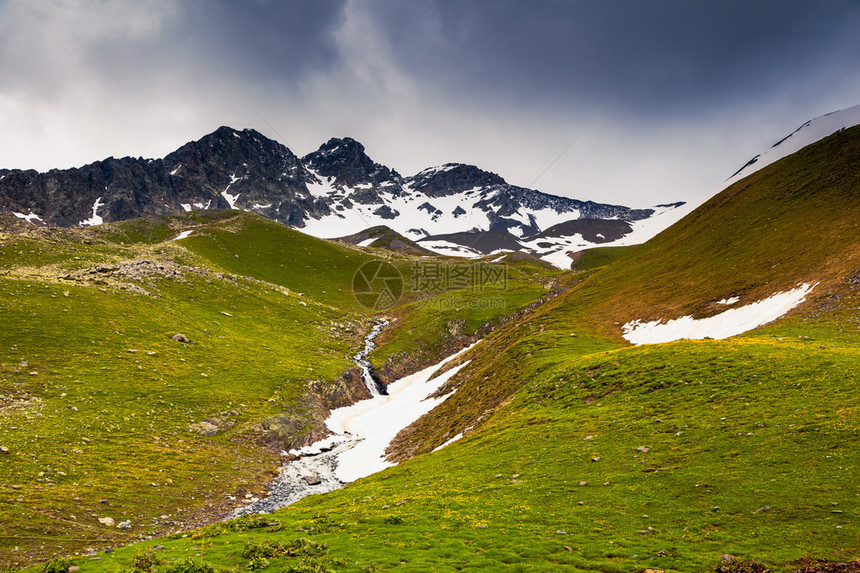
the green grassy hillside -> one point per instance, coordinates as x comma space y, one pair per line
744, 242
97, 399
794, 222
750, 441
579, 451
101, 411
662, 457
257, 247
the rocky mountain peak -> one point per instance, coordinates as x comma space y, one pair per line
345, 160
452, 178
336, 190
230, 147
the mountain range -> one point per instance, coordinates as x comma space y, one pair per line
335, 191
339, 191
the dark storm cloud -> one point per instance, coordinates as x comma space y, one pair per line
646, 56
253, 41
137, 45
264, 39
661, 98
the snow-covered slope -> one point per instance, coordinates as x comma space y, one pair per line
451, 198
452, 209
457, 216
555, 250
810, 132
333, 192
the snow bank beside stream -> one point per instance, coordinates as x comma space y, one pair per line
361, 434
378, 420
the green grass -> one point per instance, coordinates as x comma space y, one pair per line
792, 222
113, 396
579, 452
96, 400
749, 446
266, 250
600, 257
425, 329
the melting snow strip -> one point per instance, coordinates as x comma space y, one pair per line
362, 433
729, 323
29, 218
95, 219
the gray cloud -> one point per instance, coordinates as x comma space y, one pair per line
666, 97
660, 56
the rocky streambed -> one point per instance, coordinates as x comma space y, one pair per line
312, 469
298, 478
360, 435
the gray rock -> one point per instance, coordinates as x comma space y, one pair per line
312, 480
108, 521
180, 338
203, 429
124, 525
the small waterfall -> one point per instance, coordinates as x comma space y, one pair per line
354, 447
368, 374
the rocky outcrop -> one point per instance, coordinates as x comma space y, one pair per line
304, 422
452, 178
346, 163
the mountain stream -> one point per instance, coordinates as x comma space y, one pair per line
360, 434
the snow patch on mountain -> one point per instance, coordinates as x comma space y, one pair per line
729, 323
231, 199
320, 186
556, 250
450, 249
95, 219
29, 218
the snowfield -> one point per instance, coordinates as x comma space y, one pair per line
96, 218
729, 323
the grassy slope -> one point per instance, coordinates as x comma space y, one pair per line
421, 327
269, 251
101, 429
793, 222
751, 441
600, 257
97, 398
750, 445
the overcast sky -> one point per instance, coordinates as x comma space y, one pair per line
634, 102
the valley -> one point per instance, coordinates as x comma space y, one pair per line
161, 375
